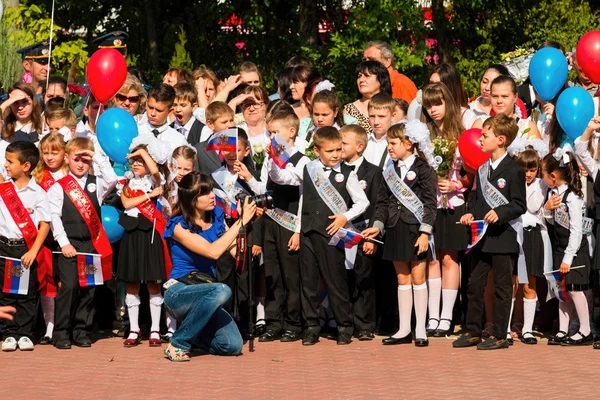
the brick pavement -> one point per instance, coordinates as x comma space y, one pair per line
289, 370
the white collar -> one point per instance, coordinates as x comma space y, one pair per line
373, 138
160, 129
82, 179
562, 188
408, 163
187, 126
495, 164
27, 128
357, 163
30, 185
336, 168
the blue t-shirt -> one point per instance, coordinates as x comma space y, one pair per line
185, 260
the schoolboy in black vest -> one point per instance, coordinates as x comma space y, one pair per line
499, 248
361, 278
186, 101
283, 310
75, 304
339, 200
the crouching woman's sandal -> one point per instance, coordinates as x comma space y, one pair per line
175, 354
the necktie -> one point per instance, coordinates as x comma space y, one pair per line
182, 130
327, 169
352, 167
155, 132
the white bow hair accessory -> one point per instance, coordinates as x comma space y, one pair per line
520, 144
324, 85
562, 154
418, 133
159, 151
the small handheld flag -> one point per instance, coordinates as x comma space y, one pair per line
280, 151
345, 238
89, 269
223, 141
557, 285
229, 207
16, 277
478, 229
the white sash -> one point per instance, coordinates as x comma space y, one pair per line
561, 217
329, 194
494, 198
231, 187
286, 219
407, 197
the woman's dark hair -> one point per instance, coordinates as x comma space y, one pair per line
304, 74
297, 61
499, 68
552, 43
191, 187
283, 81
450, 77
528, 159
381, 73
569, 172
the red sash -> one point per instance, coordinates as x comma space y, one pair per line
149, 210
86, 209
47, 180
29, 231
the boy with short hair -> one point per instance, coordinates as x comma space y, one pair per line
382, 111
63, 121
186, 101
331, 197
362, 259
500, 200
75, 203
24, 225
158, 106
219, 117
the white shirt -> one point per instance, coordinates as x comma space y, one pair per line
200, 114
468, 117
35, 200
185, 129
406, 165
536, 197
290, 175
474, 105
588, 160
145, 184
3, 145
357, 163
375, 150
27, 128
166, 134
494, 164
105, 182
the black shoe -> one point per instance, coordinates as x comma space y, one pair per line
289, 336
528, 338
310, 339
365, 335
392, 340
510, 340
83, 342
344, 338
63, 344
557, 340
166, 338
45, 340
466, 340
269, 336
583, 341
260, 330
421, 342
432, 330
597, 342
493, 343
332, 333
444, 332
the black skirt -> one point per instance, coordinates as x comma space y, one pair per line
576, 279
596, 264
400, 243
140, 260
448, 234
533, 247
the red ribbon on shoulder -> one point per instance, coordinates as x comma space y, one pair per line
29, 231
86, 209
149, 210
47, 180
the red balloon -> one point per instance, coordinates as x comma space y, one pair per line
106, 73
588, 55
470, 150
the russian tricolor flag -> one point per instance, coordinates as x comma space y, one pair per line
89, 268
345, 238
280, 151
478, 229
16, 277
557, 284
223, 141
229, 208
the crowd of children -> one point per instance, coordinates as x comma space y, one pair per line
331, 176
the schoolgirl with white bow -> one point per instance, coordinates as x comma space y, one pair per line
565, 209
143, 257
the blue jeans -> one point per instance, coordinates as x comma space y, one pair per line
204, 325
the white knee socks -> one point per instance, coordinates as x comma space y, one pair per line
528, 314
581, 306
448, 299
156, 301
48, 310
260, 311
171, 323
420, 293
405, 305
564, 315
435, 290
133, 309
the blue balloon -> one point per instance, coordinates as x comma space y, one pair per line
110, 222
120, 169
548, 72
574, 110
116, 129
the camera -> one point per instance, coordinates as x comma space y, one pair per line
261, 200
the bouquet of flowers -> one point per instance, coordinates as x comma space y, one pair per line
517, 62
443, 151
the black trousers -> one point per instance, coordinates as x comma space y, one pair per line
386, 294
361, 283
74, 305
283, 308
26, 305
502, 266
317, 258
237, 305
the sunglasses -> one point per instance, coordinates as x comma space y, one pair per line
139, 161
122, 98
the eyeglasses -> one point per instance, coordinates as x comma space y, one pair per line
122, 98
133, 161
255, 105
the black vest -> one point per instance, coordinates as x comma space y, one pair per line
315, 213
74, 225
286, 197
561, 234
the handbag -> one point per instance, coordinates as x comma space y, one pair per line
197, 278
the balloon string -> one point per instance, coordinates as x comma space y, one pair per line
50, 47
97, 115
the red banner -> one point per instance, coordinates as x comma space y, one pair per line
47, 180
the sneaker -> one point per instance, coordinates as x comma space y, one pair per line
25, 344
9, 344
493, 343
